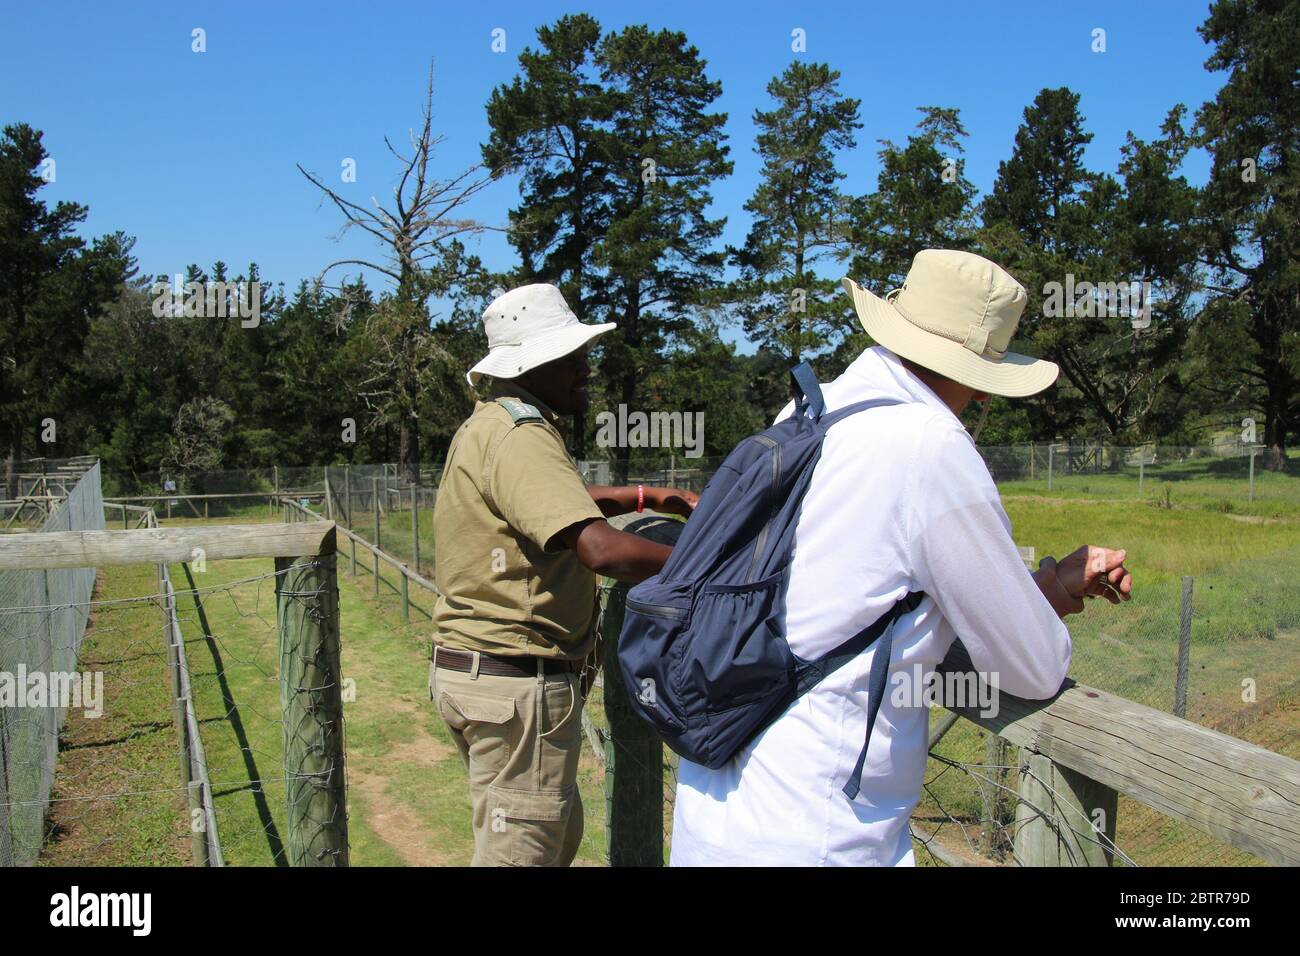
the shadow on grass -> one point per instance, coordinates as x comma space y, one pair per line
264, 814
137, 730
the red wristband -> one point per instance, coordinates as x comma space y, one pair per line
640, 498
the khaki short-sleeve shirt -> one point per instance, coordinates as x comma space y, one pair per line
508, 487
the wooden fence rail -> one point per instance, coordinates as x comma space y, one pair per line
308, 625
1080, 750
1096, 745
295, 511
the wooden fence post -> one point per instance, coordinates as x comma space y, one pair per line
1250, 497
406, 600
993, 796
178, 699
415, 527
347, 493
1063, 818
312, 700
634, 754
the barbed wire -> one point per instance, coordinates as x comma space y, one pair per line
115, 788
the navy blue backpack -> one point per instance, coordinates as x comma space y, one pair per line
703, 648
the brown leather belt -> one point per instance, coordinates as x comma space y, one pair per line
498, 665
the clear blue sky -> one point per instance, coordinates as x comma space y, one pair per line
194, 153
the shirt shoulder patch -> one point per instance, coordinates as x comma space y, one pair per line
520, 412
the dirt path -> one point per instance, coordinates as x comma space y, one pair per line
393, 822
387, 678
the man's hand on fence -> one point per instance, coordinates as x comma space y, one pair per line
672, 501
1096, 572
1086, 573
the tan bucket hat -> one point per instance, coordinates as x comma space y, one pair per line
530, 326
955, 314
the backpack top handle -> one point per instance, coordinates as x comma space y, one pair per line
807, 393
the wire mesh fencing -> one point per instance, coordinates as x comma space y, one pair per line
981, 794
168, 714
31, 490
200, 653
39, 647
1221, 649
1230, 477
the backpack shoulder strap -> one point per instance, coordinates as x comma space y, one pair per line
807, 393
829, 420
808, 398
811, 673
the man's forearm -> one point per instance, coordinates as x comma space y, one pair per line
613, 499
634, 561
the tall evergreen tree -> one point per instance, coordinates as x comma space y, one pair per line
550, 125
922, 200
1044, 221
1106, 266
1151, 240
657, 257
1250, 330
51, 286
798, 211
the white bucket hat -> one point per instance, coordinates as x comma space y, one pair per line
530, 326
955, 314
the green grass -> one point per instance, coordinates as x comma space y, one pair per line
408, 790
408, 795
1220, 484
116, 797
1245, 628
395, 535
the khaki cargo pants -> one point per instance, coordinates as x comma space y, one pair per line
520, 738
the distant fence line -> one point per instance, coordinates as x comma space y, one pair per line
1228, 470
58, 600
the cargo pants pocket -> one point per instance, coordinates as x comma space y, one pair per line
532, 828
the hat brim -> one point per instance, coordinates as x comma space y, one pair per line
514, 360
1013, 376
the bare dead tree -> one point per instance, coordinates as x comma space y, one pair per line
198, 433
417, 234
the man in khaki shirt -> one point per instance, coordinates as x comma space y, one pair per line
519, 539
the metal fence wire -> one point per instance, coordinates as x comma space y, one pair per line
1222, 649
239, 785
45, 643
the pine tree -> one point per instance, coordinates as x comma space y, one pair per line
922, 200
51, 286
1250, 330
798, 212
656, 257
549, 125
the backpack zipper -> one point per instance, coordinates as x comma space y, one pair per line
657, 610
776, 477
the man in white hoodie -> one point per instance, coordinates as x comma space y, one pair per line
899, 501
